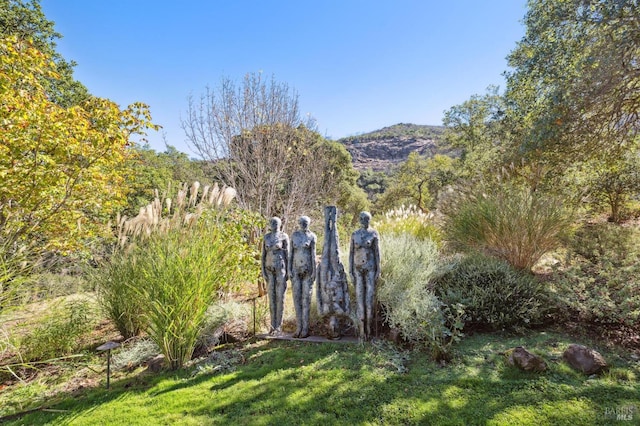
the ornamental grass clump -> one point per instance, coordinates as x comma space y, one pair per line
182, 272
115, 282
184, 211
172, 264
408, 220
508, 221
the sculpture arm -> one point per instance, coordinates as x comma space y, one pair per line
312, 255
351, 271
285, 249
263, 259
376, 255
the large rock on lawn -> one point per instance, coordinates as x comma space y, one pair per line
584, 359
525, 360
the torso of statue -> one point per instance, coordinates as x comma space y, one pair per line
301, 243
275, 247
363, 249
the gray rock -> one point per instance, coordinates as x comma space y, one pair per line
156, 364
525, 360
586, 360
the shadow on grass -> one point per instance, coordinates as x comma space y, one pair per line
300, 383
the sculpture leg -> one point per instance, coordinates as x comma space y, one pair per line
273, 311
370, 303
305, 305
360, 307
281, 288
334, 327
297, 284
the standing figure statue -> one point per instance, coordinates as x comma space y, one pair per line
302, 267
364, 268
332, 290
275, 263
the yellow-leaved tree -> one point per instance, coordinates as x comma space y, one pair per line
62, 169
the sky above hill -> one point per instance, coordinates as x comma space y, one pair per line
357, 65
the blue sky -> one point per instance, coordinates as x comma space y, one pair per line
357, 65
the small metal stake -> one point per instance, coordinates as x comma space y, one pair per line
107, 347
254, 316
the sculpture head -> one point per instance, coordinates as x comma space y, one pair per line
275, 223
365, 218
304, 222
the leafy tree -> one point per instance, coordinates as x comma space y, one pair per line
614, 181
476, 128
263, 148
417, 182
165, 172
373, 183
62, 169
573, 91
26, 21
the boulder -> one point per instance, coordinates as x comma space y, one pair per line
584, 359
156, 364
525, 360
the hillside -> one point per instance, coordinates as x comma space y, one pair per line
380, 150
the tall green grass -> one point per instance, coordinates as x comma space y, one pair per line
115, 284
174, 262
182, 274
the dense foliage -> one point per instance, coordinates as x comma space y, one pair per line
598, 283
24, 20
491, 293
61, 168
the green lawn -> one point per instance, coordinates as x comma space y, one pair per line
282, 383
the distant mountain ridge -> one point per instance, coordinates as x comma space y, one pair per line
382, 149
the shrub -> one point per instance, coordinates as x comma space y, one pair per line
600, 282
408, 220
59, 333
407, 264
133, 353
493, 293
508, 221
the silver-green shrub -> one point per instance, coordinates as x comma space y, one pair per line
408, 264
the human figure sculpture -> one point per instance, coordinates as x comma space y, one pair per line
302, 268
275, 263
332, 291
364, 268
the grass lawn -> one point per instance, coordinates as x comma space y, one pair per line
282, 383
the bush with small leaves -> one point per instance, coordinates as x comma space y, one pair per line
599, 282
493, 293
